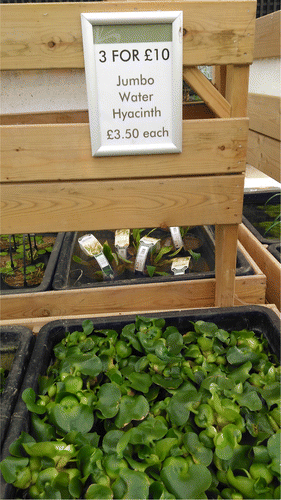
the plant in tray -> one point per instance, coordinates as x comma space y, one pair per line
22, 258
273, 226
153, 412
158, 262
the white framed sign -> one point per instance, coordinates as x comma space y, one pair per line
133, 66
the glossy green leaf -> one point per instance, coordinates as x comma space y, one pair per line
137, 484
16, 448
78, 418
99, 491
111, 440
167, 382
157, 491
109, 396
149, 430
87, 326
226, 441
29, 397
128, 333
131, 408
87, 363
237, 356
273, 447
200, 454
249, 398
181, 402
11, 466
183, 481
140, 381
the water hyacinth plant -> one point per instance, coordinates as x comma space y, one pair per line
151, 412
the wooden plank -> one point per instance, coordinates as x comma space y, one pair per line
225, 257
45, 118
62, 151
250, 260
264, 154
141, 298
219, 78
207, 91
237, 81
71, 206
48, 35
266, 262
264, 113
267, 38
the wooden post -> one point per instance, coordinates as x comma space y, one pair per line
226, 254
236, 93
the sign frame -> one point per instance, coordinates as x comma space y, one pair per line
131, 146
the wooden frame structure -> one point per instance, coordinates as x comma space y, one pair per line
50, 181
268, 264
264, 110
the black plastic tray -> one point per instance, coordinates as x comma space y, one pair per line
258, 318
51, 262
275, 250
66, 267
16, 348
251, 213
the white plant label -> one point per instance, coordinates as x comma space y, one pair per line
176, 237
146, 244
133, 64
122, 241
180, 265
93, 248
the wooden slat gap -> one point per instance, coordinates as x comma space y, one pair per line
207, 91
122, 179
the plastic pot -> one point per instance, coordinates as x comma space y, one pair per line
257, 318
16, 347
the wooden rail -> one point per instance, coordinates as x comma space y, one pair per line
41, 36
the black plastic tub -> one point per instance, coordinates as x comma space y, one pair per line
50, 261
254, 217
261, 320
275, 250
70, 274
16, 348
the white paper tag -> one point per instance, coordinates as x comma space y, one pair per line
146, 243
122, 241
90, 245
176, 237
150, 242
93, 248
180, 265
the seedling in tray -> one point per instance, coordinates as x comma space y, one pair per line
22, 258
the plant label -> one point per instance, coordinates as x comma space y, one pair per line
93, 248
180, 265
146, 244
176, 237
133, 66
122, 241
